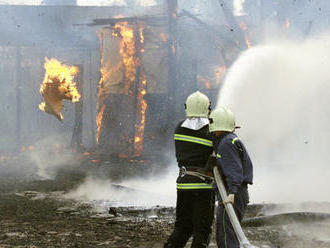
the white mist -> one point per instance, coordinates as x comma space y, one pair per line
156, 190
280, 95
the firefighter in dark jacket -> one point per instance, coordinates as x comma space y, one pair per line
195, 197
236, 168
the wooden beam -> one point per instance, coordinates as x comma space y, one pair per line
151, 20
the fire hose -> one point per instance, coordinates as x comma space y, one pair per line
230, 211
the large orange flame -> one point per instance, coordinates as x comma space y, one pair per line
58, 85
139, 131
127, 64
141, 106
127, 51
129, 61
99, 119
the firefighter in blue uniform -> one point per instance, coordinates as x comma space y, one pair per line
235, 165
195, 197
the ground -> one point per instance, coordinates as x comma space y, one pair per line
35, 213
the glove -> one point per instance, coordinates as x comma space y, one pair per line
230, 199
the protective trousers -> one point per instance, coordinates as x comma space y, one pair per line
225, 234
194, 216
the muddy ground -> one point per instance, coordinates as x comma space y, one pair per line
35, 213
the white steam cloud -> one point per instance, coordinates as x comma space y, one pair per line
238, 6
49, 155
138, 192
279, 93
82, 2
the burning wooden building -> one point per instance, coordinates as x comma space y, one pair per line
137, 64
128, 75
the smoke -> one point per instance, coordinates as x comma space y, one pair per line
138, 192
49, 155
319, 231
80, 2
279, 93
238, 7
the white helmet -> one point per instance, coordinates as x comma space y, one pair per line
222, 119
197, 105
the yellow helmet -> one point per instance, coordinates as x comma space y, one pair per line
222, 119
197, 105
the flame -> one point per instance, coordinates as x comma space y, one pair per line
141, 35
173, 49
99, 119
142, 108
129, 51
163, 37
203, 80
247, 41
287, 23
58, 85
220, 73
127, 64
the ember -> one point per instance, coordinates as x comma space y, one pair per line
204, 81
220, 73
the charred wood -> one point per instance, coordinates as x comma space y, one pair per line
151, 20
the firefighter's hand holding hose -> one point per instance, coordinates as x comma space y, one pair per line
230, 199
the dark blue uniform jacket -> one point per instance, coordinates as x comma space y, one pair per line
233, 161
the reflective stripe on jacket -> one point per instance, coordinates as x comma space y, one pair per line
193, 139
193, 186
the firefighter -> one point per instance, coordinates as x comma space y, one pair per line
195, 197
235, 165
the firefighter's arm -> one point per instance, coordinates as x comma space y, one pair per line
228, 160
